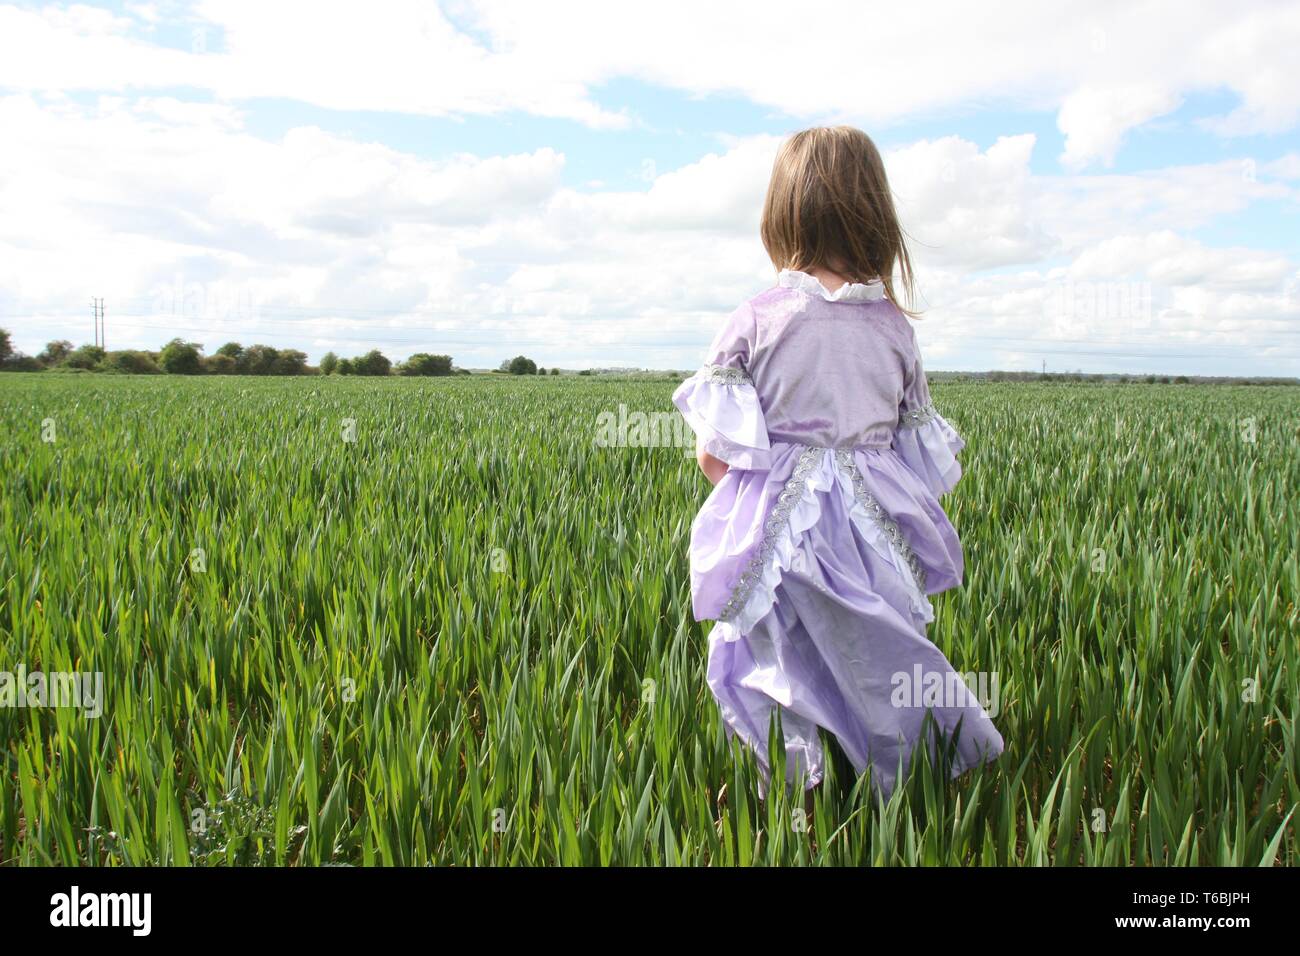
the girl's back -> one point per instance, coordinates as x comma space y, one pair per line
819, 547
830, 368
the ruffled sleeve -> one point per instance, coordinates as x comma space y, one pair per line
924, 439
720, 403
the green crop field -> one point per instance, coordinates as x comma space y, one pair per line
399, 621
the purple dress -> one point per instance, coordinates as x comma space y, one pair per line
816, 552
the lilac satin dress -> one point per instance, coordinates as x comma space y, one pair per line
817, 552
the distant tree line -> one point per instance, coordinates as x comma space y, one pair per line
1110, 378
375, 362
522, 365
179, 357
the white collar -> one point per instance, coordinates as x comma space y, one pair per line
848, 292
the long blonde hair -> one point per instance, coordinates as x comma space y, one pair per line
829, 206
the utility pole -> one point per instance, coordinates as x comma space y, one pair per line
97, 310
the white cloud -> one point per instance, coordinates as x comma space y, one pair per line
1173, 260
310, 220
179, 208
409, 59
138, 193
1085, 209
1106, 68
1285, 167
1095, 120
967, 208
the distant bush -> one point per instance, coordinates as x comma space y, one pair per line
329, 363
422, 363
18, 362
290, 362
11, 361
258, 360
131, 362
220, 364
179, 357
55, 352
87, 357
373, 362
520, 365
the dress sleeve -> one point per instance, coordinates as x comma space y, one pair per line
923, 438
719, 401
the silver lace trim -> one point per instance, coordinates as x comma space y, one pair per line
779, 517
880, 516
916, 417
725, 375
776, 521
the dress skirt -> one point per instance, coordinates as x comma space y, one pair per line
828, 558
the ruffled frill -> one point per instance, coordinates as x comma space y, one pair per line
752, 530
722, 407
928, 445
817, 472
848, 292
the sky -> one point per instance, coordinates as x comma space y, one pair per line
1095, 186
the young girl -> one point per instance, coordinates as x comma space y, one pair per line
823, 536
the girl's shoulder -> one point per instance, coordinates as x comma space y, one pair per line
777, 304
773, 293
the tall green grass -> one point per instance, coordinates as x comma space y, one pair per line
465, 637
